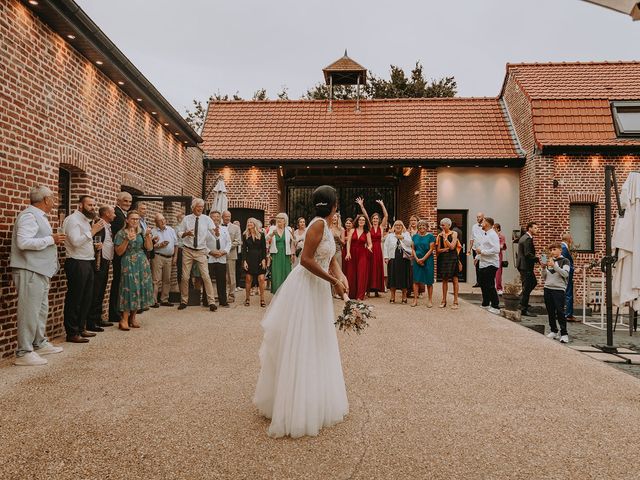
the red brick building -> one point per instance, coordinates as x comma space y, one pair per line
78, 117
534, 152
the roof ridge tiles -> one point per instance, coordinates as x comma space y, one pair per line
576, 62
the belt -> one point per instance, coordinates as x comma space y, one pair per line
194, 249
163, 255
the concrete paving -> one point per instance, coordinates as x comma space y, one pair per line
434, 393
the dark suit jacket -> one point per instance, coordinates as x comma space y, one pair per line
526, 253
117, 225
566, 253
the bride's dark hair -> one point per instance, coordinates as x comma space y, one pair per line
324, 198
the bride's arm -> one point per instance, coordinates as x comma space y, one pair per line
336, 271
307, 260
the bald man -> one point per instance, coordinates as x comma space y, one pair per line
476, 238
164, 246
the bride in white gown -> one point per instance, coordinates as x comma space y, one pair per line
301, 386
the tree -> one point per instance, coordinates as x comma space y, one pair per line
284, 94
416, 86
260, 94
196, 117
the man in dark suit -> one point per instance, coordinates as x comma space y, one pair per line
567, 241
526, 262
104, 257
123, 204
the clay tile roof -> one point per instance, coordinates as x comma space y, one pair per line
571, 102
407, 129
344, 64
577, 80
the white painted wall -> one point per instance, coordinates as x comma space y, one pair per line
494, 191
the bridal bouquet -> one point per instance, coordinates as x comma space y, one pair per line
354, 316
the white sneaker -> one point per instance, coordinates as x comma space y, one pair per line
30, 359
49, 349
495, 311
553, 335
500, 292
486, 307
564, 339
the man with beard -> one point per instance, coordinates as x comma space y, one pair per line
104, 257
79, 267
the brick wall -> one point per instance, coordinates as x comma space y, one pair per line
249, 187
418, 195
58, 110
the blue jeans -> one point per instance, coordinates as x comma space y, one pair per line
569, 297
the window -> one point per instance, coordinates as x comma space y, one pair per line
627, 118
64, 191
581, 220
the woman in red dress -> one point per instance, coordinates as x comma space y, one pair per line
347, 264
358, 253
376, 276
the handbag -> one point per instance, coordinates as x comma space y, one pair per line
505, 263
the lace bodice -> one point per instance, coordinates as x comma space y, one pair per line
327, 246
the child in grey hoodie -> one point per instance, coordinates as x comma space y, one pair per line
555, 275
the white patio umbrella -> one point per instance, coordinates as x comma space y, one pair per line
220, 200
626, 238
630, 7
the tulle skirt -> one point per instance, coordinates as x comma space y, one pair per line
301, 385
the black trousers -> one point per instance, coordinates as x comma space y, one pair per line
114, 294
554, 301
477, 265
239, 271
77, 301
487, 281
529, 282
100, 280
218, 272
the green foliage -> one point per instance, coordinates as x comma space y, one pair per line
260, 94
196, 117
340, 92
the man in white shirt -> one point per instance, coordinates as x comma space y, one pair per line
488, 256
165, 257
104, 257
33, 261
79, 267
476, 234
219, 245
193, 231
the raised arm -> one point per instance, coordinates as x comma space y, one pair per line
360, 201
385, 215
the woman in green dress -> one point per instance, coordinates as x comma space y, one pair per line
424, 249
136, 285
281, 250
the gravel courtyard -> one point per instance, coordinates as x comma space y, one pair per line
434, 393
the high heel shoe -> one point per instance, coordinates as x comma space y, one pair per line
404, 300
124, 326
442, 305
262, 303
392, 300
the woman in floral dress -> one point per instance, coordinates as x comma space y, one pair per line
136, 285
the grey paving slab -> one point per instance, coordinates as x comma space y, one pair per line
434, 394
606, 357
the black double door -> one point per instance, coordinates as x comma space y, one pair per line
299, 202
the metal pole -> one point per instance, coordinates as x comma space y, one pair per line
608, 261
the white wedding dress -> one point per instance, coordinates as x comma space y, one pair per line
301, 386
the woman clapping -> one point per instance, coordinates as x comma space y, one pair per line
397, 254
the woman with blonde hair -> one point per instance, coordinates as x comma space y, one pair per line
424, 251
254, 252
446, 245
136, 284
281, 251
298, 238
397, 254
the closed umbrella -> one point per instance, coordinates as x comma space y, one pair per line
626, 239
629, 7
220, 201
